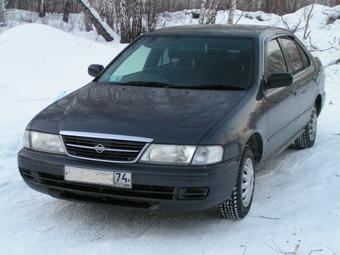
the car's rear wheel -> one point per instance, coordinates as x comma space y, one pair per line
238, 205
308, 137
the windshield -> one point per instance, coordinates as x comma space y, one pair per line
187, 62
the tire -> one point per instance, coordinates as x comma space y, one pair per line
238, 205
308, 137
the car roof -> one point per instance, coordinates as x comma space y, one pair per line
253, 31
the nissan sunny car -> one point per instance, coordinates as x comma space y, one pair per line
179, 120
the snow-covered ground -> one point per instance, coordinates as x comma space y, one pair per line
296, 205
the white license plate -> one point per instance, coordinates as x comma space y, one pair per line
116, 179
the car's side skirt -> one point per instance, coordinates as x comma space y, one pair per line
279, 151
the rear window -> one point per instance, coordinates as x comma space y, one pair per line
185, 62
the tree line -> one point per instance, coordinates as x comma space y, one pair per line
130, 18
275, 6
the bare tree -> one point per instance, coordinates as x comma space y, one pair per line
67, 10
232, 10
295, 6
101, 26
2, 12
88, 22
256, 2
124, 21
292, 28
107, 9
202, 12
150, 14
208, 11
137, 19
42, 7
212, 11
308, 16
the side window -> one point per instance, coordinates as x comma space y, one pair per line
293, 54
275, 62
305, 58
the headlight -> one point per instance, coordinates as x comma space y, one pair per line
178, 154
206, 155
183, 154
43, 142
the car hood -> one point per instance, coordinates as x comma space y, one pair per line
166, 115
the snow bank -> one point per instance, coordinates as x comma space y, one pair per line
75, 25
38, 63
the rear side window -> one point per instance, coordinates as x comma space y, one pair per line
275, 62
293, 54
304, 56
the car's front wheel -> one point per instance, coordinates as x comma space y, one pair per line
307, 139
238, 205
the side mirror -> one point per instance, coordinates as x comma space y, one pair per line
278, 80
95, 70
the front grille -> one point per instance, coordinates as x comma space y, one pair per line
112, 150
57, 182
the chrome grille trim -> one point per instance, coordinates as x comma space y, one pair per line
106, 149
119, 138
107, 136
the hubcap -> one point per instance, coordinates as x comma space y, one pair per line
247, 182
313, 125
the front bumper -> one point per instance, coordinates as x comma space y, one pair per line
154, 186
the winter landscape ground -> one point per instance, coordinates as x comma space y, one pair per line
296, 209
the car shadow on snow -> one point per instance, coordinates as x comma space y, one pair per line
130, 222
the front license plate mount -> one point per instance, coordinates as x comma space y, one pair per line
117, 179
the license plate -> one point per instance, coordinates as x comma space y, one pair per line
118, 179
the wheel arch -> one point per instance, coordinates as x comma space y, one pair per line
255, 142
318, 104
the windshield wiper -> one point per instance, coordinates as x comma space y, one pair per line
149, 84
167, 85
216, 87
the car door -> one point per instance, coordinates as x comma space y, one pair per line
282, 103
302, 70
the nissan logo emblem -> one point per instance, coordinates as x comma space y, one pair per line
100, 148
